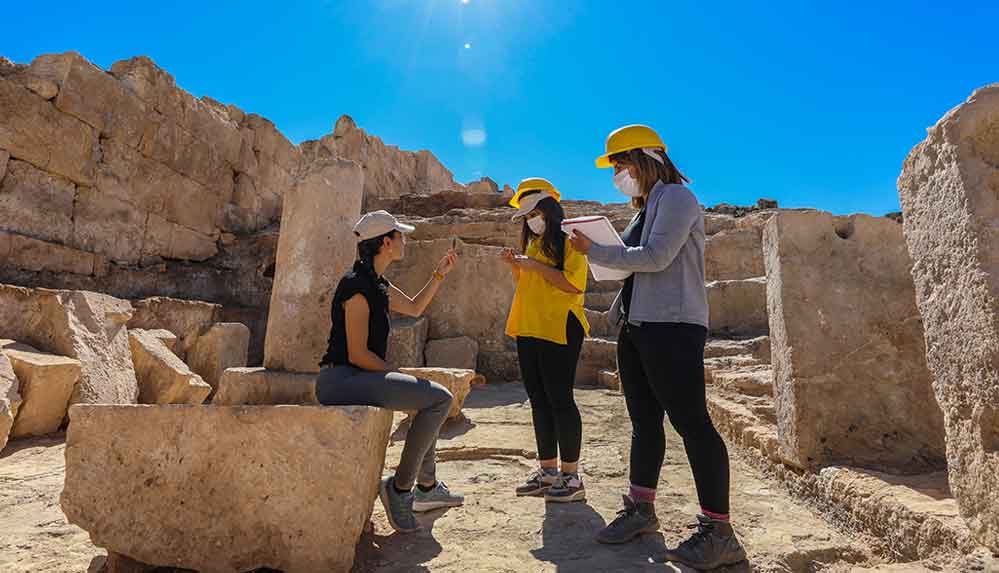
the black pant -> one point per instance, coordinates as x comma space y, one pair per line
661, 367
549, 373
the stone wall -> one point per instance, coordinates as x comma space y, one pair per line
949, 189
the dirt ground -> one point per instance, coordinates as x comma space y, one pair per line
484, 456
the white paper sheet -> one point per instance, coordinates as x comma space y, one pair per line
601, 232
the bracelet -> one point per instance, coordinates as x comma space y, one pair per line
438, 276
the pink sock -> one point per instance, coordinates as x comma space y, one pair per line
713, 515
640, 494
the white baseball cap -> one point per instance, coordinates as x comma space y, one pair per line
378, 223
528, 203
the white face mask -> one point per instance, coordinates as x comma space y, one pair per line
626, 184
537, 224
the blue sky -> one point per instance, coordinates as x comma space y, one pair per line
815, 104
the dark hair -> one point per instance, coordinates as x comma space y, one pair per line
369, 248
553, 240
650, 171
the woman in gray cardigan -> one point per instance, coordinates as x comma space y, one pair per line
663, 312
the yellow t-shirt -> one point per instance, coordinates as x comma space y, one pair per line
540, 309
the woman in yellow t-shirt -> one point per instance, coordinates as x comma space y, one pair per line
549, 324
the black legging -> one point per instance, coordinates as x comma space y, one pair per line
549, 373
662, 371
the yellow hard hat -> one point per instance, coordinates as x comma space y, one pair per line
627, 138
534, 184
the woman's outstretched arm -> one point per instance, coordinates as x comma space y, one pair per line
356, 312
402, 303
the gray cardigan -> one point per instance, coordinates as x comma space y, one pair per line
668, 264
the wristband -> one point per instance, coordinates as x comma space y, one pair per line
438, 276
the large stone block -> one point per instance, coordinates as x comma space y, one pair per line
172, 241
597, 354
224, 345
259, 386
47, 382
36, 203
227, 489
93, 96
949, 190
459, 381
87, 326
844, 325
733, 254
315, 248
457, 352
108, 226
163, 378
33, 130
10, 398
738, 307
407, 340
186, 319
35, 255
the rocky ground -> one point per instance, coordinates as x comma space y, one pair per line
484, 456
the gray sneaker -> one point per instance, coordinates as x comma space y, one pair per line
567, 488
398, 507
537, 483
436, 498
632, 521
713, 545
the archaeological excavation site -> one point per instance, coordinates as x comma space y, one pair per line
167, 269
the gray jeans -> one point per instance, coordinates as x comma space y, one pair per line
349, 386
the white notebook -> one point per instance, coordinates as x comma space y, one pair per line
601, 232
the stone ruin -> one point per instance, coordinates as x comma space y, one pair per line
167, 262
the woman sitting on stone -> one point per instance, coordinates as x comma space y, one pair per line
663, 312
548, 322
354, 373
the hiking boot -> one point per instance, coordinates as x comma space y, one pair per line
436, 498
713, 545
537, 483
635, 519
568, 488
398, 507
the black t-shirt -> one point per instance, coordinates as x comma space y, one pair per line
359, 280
632, 237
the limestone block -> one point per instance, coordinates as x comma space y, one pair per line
34, 255
600, 323
165, 140
949, 190
844, 324
315, 249
148, 184
34, 131
609, 379
47, 382
259, 386
92, 95
224, 345
715, 223
459, 381
738, 307
151, 84
597, 354
187, 319
36, 203
163, 378
168, 338
227, 489
499, 365
406, 342
733, 254
10, 398
272, 144
457, 352
107, 225
87, 326
169, 240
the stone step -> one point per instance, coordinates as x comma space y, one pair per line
749, 381
741, 425
600, 326
758, 348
